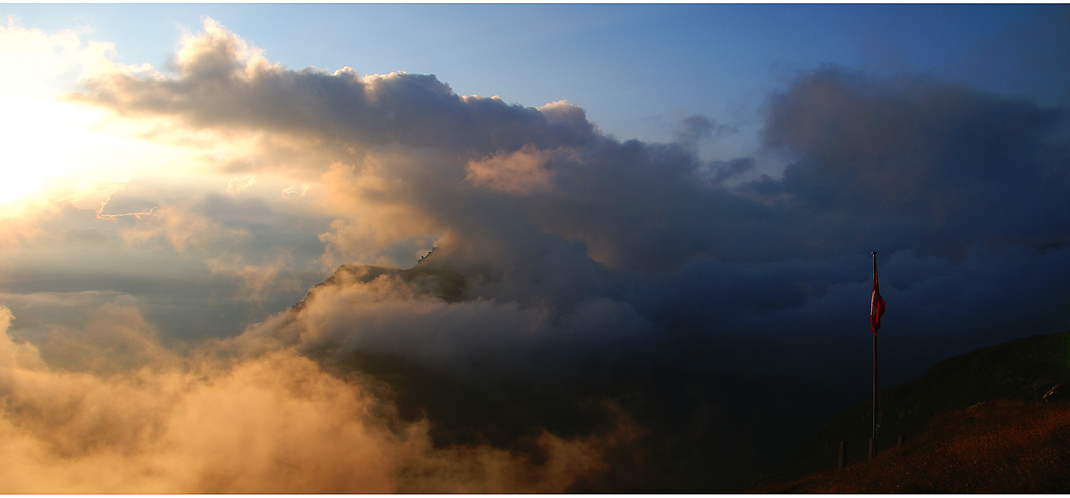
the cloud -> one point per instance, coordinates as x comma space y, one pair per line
176, 244
725, 317
92, 331
221, 82
44, 222
33, 59
236, 185
383, 312
519, 172
916, 163
410, 151
258, 281
696, 128
271, 423
183, 229
293, 191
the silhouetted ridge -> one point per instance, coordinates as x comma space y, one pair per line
445, 284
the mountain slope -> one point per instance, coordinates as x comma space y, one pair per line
1005, 446
1023, 369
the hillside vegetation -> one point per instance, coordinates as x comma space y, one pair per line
972, 423
1008, 446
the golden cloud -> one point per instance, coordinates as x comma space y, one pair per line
275, 422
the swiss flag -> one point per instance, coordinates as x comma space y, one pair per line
876, 306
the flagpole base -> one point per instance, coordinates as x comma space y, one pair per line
872, 448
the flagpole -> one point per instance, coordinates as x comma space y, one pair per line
876, 392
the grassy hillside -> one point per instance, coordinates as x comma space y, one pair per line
1022, 370
1007, 446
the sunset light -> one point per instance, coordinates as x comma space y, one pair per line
504, 248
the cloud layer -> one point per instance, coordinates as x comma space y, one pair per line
271, 423
595, 315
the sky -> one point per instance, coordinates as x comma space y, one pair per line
471, 248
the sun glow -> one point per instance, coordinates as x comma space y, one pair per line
44, 137
37, 137
43, 140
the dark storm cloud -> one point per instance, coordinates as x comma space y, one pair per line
966, 192
1030, 58
726, 170
570, 267
914, 163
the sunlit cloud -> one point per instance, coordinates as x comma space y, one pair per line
508, 299
31, 61
519, 172
56, 149
269, 423
236, 185
293, 191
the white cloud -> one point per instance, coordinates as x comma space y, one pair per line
35, 63
292, 191
236, 185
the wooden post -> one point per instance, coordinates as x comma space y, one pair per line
843, 453
902, 438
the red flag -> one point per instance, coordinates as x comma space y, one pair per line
876, 305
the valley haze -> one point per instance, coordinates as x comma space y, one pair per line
505, 248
